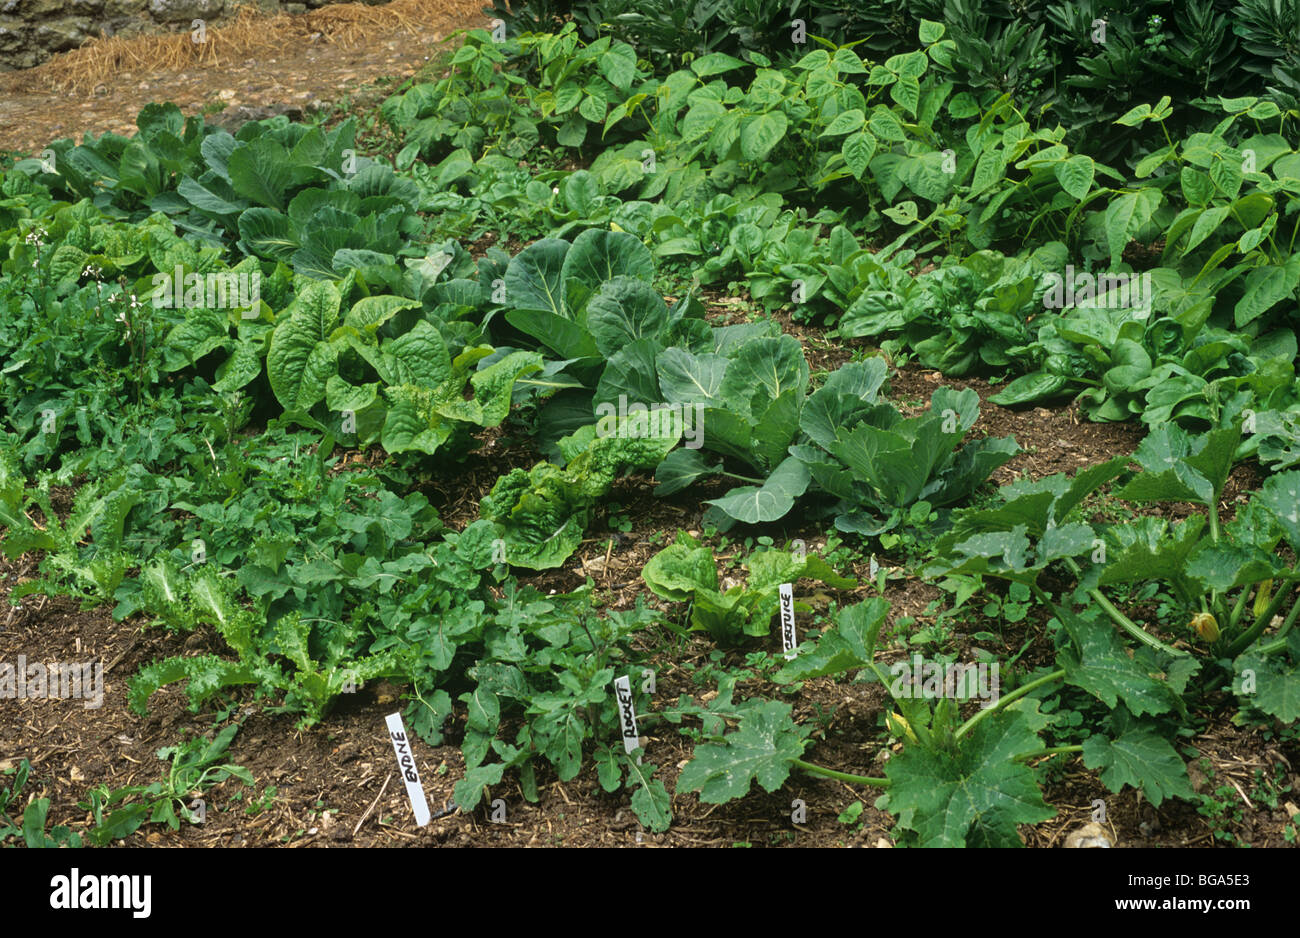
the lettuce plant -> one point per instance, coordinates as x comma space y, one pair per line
542, 513
685, 571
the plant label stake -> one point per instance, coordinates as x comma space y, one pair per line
406, 764
627, 714
788, 638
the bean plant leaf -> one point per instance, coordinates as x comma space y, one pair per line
1075, 175
760, 133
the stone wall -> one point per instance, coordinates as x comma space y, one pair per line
33, 30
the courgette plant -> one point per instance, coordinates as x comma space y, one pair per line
1229, 580
968, 782
956, 783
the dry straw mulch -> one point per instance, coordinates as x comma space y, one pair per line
97, 62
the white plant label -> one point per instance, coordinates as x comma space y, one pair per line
789, 640
627, 713
406, 763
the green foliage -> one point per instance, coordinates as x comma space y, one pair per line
968, 317
976, 796
541, 514
926, 175
276, 191
685, 571
834, 128
192, 768
419, 401
879, 463
31, 824
566, 90
760, 750
1210, 569
551, 663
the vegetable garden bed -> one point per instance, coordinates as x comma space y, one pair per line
569, 364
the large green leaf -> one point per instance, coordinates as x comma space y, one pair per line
685, 378
557, 332
848, 395
858, 149
761, 749
267, 233
418, 357
1280, 497
618, 64
599, 255
755, 504
1075, 175
301, 357
976, 796
623, 310
1180, 467
534, 278
760, 370
1125, 215
261, 172
775, 429
371, 312
1149, 549
759, 133
630, 380
1099, 663
1140, 757
1265, 288
1268, 683
494, 384
207, 200
682, 468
